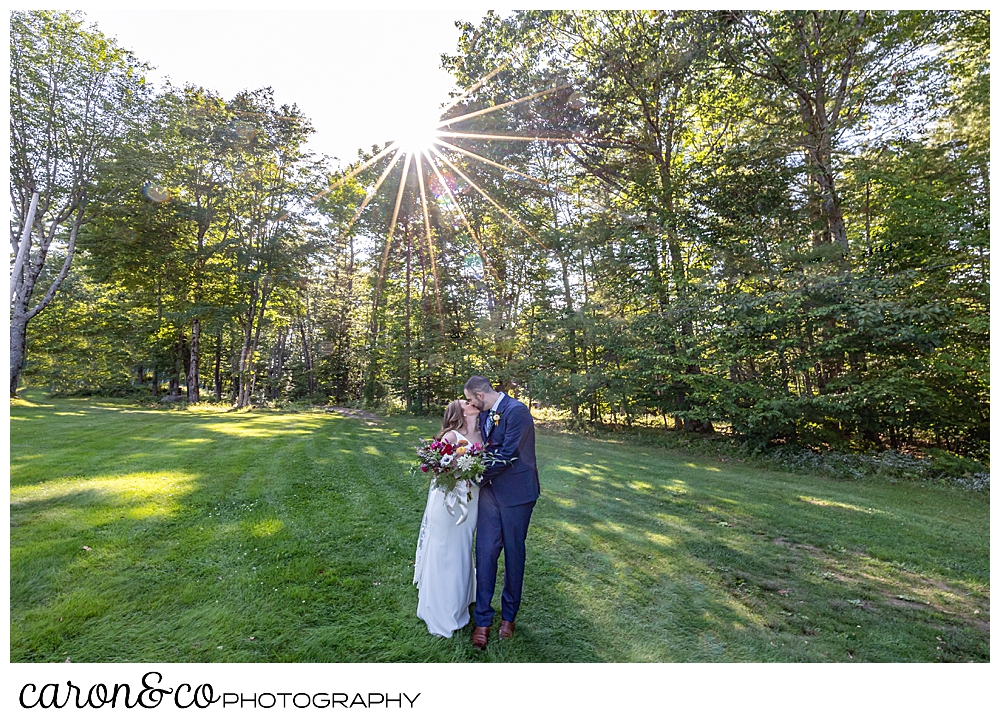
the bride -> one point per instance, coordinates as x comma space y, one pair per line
444, 572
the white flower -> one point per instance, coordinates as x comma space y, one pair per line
465, 462
446, 460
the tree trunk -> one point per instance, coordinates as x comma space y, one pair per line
819, 156
24, 286
571, 323
18, 342
183, 360
218, 367
371, 373
194, 360
407, 395
234, 372
307, 356
243, 396
23, 249
242, 378
251, 341
278, 364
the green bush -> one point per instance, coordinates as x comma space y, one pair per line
946, 464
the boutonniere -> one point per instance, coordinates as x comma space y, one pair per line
495, 416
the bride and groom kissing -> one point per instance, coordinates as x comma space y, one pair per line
499, 510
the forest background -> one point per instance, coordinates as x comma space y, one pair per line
769, 224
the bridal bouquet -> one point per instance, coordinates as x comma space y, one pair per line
455, 468
450, 463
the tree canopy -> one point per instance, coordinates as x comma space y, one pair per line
771, 223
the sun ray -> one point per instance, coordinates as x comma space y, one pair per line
371, 193
476, 86
501, 166
496, 137
491, 162
488, 77
352, 174
343, 179
549, 184
434, 156
392, 228
485, 195
430, 240
465, 219
491, 109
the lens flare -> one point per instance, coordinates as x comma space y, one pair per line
155, 192
420, 144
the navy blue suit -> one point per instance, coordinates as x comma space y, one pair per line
506, 498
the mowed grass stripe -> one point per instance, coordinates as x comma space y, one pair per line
270, 536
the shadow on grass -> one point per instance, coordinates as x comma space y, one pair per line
278, 548
743, 564
289, 537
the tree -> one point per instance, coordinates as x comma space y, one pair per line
775, 223
75, 99
829, 70
266, 213
202, 142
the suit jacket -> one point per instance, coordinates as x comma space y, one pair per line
514, 474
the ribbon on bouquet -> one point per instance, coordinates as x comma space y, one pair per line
458, 498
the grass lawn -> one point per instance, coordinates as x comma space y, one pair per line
200, 536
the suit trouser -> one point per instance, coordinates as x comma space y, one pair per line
499, 528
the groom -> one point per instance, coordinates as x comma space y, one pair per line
506, 497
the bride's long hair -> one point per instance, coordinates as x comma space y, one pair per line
454, 418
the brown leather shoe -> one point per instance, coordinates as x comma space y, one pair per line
506, 629
480, 636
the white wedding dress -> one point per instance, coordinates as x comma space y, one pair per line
444, 572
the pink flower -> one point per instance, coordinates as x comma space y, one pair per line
424, 468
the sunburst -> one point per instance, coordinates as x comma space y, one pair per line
418, 130
424, 143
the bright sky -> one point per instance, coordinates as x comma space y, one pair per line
358, 73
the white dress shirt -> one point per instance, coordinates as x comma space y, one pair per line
489, 420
